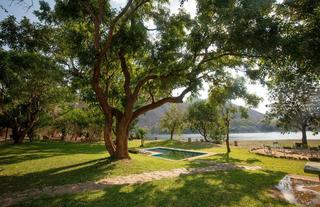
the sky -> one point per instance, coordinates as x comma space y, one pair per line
23, 9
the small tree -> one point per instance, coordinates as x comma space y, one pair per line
140, 134
222, 96
172, 121
202, 117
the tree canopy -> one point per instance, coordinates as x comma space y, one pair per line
130, 59
133, 66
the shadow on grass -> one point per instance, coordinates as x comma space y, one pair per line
179, 144
11, 154
223, 188
80, 172
225, 157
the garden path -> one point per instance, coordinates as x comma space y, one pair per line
13, 198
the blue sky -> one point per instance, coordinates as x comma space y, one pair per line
22, 9
19, 9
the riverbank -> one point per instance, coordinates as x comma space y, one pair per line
281, 143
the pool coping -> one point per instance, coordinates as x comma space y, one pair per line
206, 154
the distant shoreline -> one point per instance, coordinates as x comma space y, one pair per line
264, 136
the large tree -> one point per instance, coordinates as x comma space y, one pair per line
295, 101
294, 71
135, 56
29, 80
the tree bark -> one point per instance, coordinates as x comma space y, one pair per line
108, 138
304, 135
171, 134
31, 134
205, 134
122, 134
63, 134
18, 135
227, 142
227, 122
6, 136
205, 138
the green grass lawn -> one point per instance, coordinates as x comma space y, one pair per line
34, 165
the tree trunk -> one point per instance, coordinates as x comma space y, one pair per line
227, 143
171, 135
304, 135
6, 136
204, 134
18, 135
205, 138
122, 135
227, 139
63, 134
31, 134
107, 136
122, 144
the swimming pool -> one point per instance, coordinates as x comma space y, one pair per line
173, 154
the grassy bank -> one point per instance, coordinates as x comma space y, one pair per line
33, 165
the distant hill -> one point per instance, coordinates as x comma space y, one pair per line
254, 123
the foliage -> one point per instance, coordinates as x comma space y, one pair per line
222, 96
173, 120
30, 86
300, 35
78, 121
203, 118
140, 134
292, 72
133, 68
30, 82
295, 101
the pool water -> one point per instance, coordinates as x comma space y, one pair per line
173, 154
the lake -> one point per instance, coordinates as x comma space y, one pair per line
244, 136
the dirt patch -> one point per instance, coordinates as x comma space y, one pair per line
275, 193
297, 154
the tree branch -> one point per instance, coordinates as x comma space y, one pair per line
143, 81
126, 74
208, 58
116, 112
177, 99
107, 44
